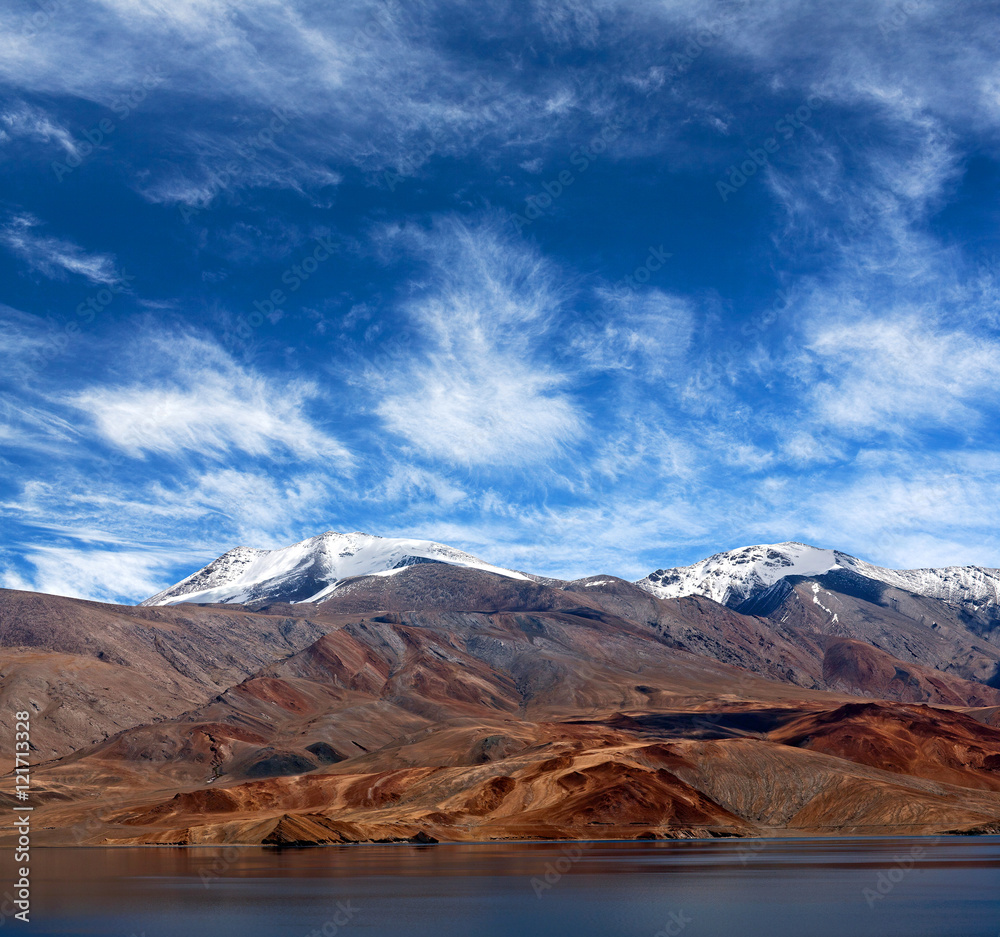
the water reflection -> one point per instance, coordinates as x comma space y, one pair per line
885, 887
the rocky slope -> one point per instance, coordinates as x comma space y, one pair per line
447, 700
579, 719
87, 670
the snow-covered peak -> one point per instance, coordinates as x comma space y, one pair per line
733, 577
310, 570
954, 584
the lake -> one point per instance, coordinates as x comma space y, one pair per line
799, 888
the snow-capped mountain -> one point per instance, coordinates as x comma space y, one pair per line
311, 570
735, 576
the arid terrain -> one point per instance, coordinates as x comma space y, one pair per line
453, 703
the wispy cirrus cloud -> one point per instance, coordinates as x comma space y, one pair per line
903, 373
647, 332
909, 508
478, 388
450, 376
98, 575
141, 531
204, 403
53, 256
20, 121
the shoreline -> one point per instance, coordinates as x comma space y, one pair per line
796, 838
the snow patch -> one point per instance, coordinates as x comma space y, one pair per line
816, 601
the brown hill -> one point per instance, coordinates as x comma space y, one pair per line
950, 747
87, 670
557, 724
452, 703
911, 649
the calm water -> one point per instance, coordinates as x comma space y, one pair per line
777, 888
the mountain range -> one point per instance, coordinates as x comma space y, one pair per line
356, 688
745, 579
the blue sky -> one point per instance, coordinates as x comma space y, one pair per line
577, 285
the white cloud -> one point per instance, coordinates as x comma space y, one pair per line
98, 575
12, 579
902, 373
203, 513
907, 510
646, 332
24, 340
204, 403
34, 428
621, 534
801, 448
374, 85
22, 121
479, 391
421, 490
378, 82
55, 257
457, 410
254, 507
